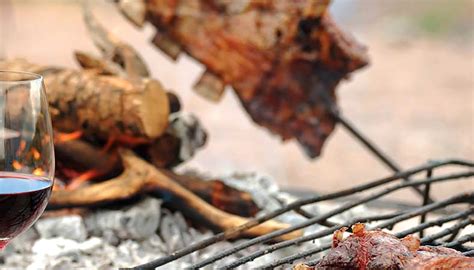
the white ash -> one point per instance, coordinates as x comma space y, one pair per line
137, 222
268, 196
70, 227
111, 239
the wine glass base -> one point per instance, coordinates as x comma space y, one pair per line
3, 243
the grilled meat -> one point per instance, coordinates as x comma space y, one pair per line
380, 250
284, 59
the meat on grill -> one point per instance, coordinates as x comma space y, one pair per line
284, 59
380, 250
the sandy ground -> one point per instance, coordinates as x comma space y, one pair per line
416, 100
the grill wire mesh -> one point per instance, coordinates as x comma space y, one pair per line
460, 211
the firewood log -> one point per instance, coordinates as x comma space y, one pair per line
83, 156
101, 106
141, 177
217, 193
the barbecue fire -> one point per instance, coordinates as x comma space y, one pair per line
120, 201
38, 172
82, 178
64, 137
113, 134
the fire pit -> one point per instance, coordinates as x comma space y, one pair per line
141, 232
118, 201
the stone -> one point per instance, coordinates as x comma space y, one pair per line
137, 222
17, 261
174, 231
24, 241
62, 263
90, 245
127, 254
69, 227
55, 247
154, 244
262, 188
110, 237
38, 263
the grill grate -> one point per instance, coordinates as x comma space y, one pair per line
464, 217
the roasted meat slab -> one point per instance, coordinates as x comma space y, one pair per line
284, 59
376, 249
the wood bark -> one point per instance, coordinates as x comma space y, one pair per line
140, 177
218, 194
80, 156
103, 106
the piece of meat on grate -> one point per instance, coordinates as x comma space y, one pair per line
380, 250
428, 257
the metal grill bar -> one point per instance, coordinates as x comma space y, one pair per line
301, 255
297, 204
391, 222
316, 261
453, 236
354, 131
465, 197
311, 221
436, 222
460, 241
306, 238
305, 254
469, 253
419, 228
447, 231
426, 198
373, 148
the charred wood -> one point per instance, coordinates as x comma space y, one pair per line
82, 156
140, 177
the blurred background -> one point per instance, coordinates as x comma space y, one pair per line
415, 100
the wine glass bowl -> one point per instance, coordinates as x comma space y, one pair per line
26, 152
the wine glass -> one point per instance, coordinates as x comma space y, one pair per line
26, 152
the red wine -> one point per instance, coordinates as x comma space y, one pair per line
23, 199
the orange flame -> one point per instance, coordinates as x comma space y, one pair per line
17, 165
84, 177
126, 140
65, 137
38, 172
36, 154
21, 147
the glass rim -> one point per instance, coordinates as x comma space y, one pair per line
28, 76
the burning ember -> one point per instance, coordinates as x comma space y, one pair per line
32, 154
64, 137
